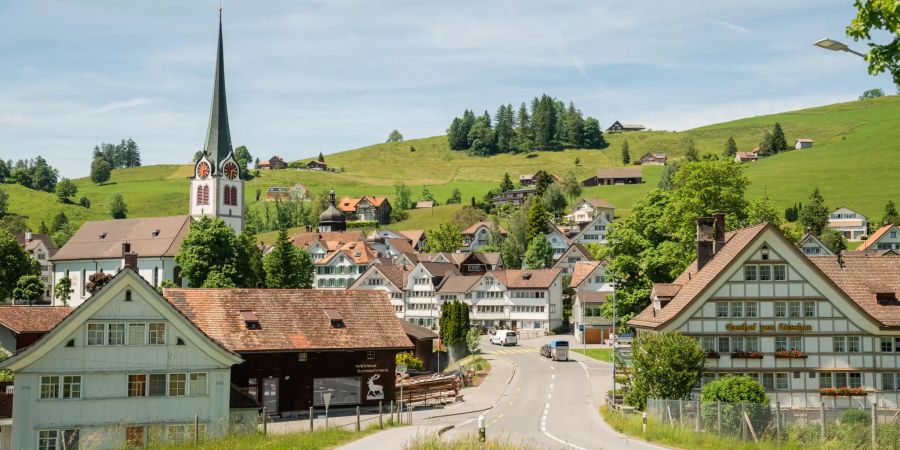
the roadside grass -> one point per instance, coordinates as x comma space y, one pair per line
469, 441
479, 366
318, 439
600, 354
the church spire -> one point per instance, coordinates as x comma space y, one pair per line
218, 135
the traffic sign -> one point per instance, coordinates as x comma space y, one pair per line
401, 368
327, 397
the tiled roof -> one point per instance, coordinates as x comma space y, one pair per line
746, 156
695, 282
873, 239
598, 203
36, 238
490, 258
439, 269
458, 283
397, 275
619, 172
861, 275
592, 297
665, 290
416, 331
806, 140
357, 251
150, 236
475, 226
348, 204
401, 245
527, 279
424, 204
292, 319
338, 238
32, 319
581, 271
413, 235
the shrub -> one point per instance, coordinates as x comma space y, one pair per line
666, 365
738, 394
410, 360
363, 224
857, 416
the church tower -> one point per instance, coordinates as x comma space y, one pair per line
216, 187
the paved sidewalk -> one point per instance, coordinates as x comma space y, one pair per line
395, 438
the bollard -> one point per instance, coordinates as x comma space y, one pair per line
311, 417
822, 416
644, 422
265, 421
777, 419
482, 432
409, 410
196, 428
380, 411
874, 426
357, 418
392, 411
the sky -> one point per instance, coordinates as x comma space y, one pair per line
305, 77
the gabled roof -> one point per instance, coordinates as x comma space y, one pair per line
475, 226
417, 332
619, 172
149, 237
664, 290
401, 245
413, 235
525, 278
861, 277
293, 319
805, 140
32, 319
582, 271
458, 283
439, 269
875, 237
809, 237
597, 203
357, 251
337, 238
36, 238
424, 204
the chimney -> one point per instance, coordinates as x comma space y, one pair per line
126, 248
719, 231
705, 239
129, 257
28, 236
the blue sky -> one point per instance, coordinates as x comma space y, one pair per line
307, 76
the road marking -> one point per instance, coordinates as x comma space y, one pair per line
551, 385
552, 376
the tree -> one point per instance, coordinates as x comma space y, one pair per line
542, 180
890, 215
871, 93
779, 142
513, 247
730, 147
506, 184
702, 188
455, 137
834, 240
63, 290
4, 202
446, 238
100, 171
524, 140
878, 15
666, 181
402, 196
455, 197
30, 288
691, 153
536, 224
249, 251
117, 207
626, 157
15, 263
666, 365
13, 224
321, 157
65, 189
85, 202
454, 323
4, 171
481, 136
43, 176
761, 210
593, 137
726, 399
288, 267
219, 278
814, 215
504, 133
395, 136
554, 200
96, 282
539, 254
243, 157
473, 341
212, 247
60, 220
571, 186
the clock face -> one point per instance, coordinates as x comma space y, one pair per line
231, 170
203, 170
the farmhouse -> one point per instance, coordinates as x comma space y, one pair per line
515, 197
852, 225
618, 127
297, 344
588, 208
571, 256
367, 209
41, 248
803, 143
274, 163
532, 178
316, 165
653, 159
800, 326
622, 175
750, 156
478, 235
424, 204
813, 246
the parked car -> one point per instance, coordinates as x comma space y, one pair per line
504, 337
545, 350
559, 350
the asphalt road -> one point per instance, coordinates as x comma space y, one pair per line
549, 404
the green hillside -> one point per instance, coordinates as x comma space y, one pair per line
852, 161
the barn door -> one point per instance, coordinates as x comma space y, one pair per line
270, 395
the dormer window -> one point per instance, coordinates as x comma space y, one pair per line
250, 319
102, 236
155, 232
337, 321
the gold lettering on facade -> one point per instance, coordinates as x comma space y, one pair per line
741, 327
750, 327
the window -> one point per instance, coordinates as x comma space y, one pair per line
840, 379
781, 381
765, 273
855, 379
887, 345
888, 382
723, 345
809, 309
749, 273
116, 333
853, 344
708, 343
157, 385
137, 385
794, 309
737, 309
721, 309
825, 380
96, 333
768, 381
795, 343
780, 271
197, 384
780, 309
136, 333
158, 333
50, 386
134, 436
71, 386
751, 309
781, 343
370, 354
838, 344
177, 384
47, 439
737, 344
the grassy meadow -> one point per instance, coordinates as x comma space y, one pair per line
851, 161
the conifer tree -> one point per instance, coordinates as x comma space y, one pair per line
890, 216
593, 137
286, 266
524, 142
626, 156
506, 184
730, 147
814, 215
779, 142
536, 223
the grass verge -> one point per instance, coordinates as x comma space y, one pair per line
319, 439
480, 366
470, 441
600, 354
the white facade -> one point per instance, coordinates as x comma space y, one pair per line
337, 271
852, 225
810, 245
374, 280
495, 305
154, 270
422, 304
571, 256
218, 191
41, 254
888, 240
558, 243
125, 368
477, 239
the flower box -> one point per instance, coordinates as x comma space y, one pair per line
747, 355
842, 391
790, 354
713, 355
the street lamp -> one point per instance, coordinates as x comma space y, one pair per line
833, 45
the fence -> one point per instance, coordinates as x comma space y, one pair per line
841, 427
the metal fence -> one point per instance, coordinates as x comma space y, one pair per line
829, 427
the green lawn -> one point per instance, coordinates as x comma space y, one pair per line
600, 354
319, 439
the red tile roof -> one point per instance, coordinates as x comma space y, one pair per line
292, 319
526, 278
862, 276
581, 271
475, 226
32, 319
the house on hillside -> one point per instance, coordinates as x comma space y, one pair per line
617, 175
531, 179
367, 209
618, 127
573, 255
588, 208
885, 238
478, 235
274, 163
41, 248
803, 143
654, 159
515, 197
748, 156
813, 246
424, 204
851, 224
316, 165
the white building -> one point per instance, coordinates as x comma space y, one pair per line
422, 302
851, 224
813, 246
802, 143
340, 268
126, 369
570, 257
800, 326
883, 239
478, 235
41, 248
389, 278
588, 208
517, 299
592, 287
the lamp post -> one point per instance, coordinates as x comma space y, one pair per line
833, 45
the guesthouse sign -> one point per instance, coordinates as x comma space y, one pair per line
767, 328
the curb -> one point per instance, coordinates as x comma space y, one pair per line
445, 429
508, 382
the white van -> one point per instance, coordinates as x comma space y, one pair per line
504, 337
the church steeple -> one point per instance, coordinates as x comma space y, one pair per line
218, 135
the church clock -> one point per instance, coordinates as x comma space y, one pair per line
203, 170
231, 170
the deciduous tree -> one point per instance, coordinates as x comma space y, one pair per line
691, 152
446, 238
63, 290
29, 288
15, 263
539, 254
666, 365
394, 136
100, 170
65, 189
871, 93
879, 15
117, 207
212, 247
96, 282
